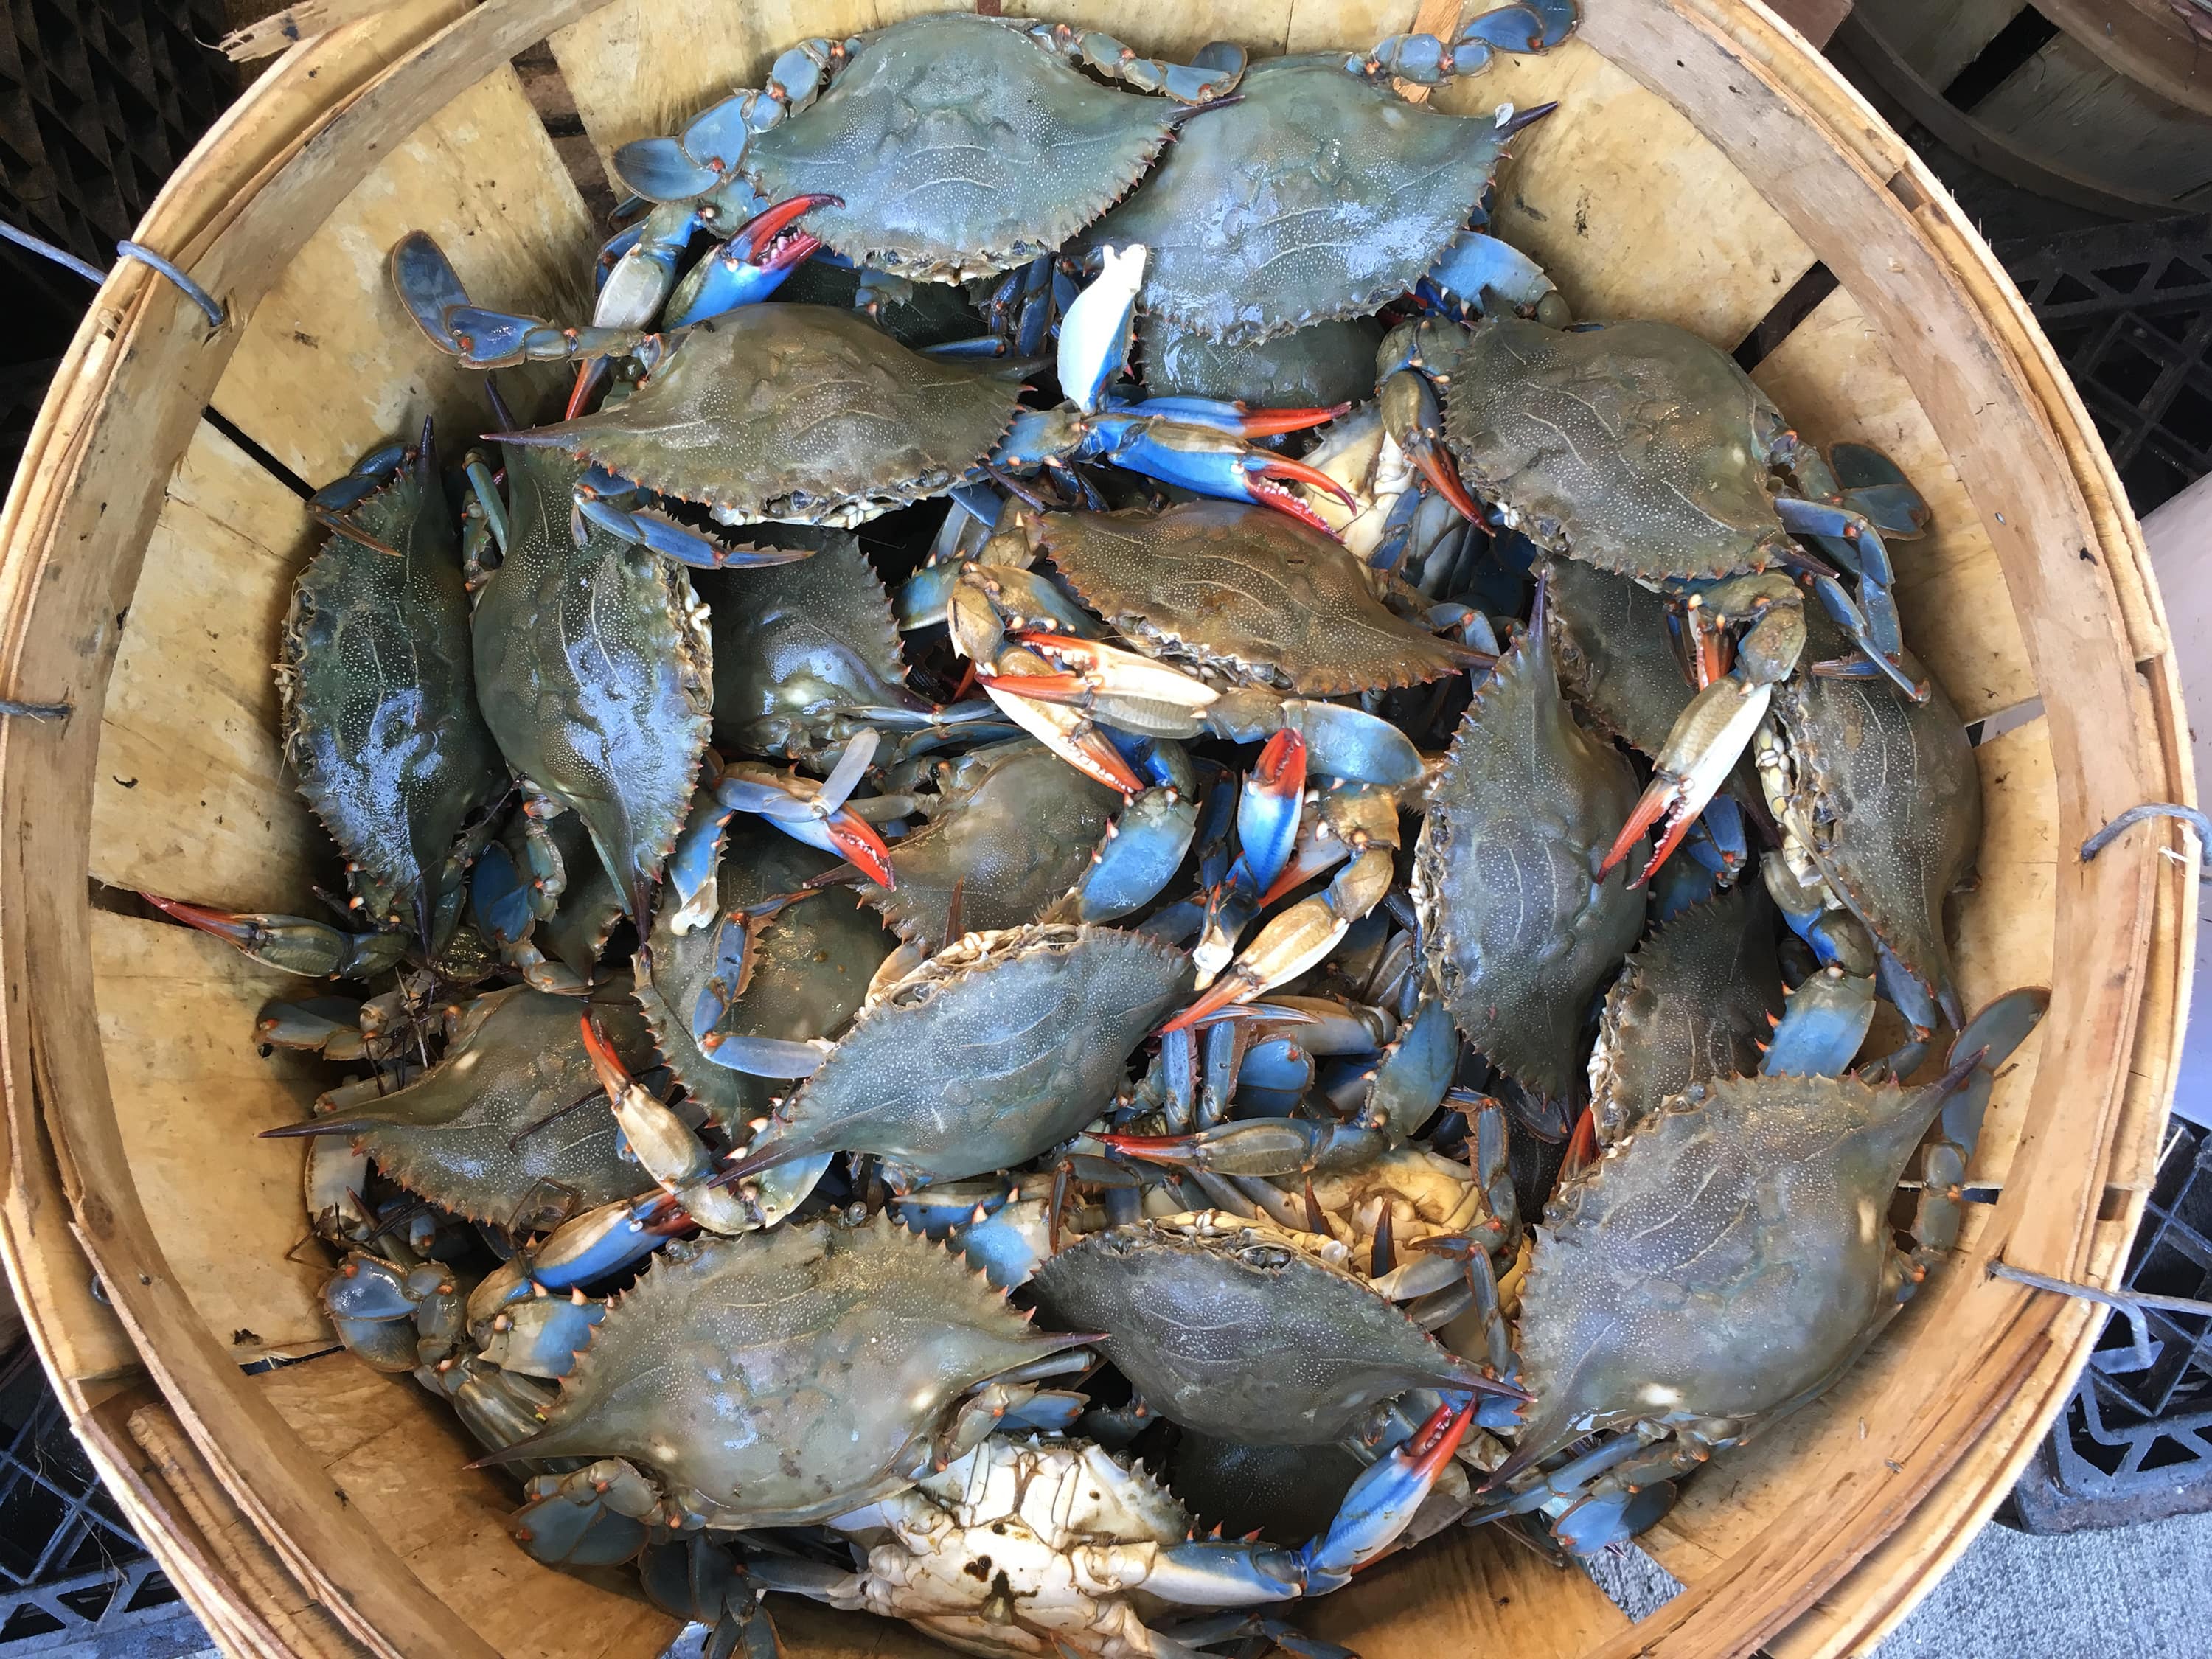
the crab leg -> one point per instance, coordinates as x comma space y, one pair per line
291, 945
1212, 72
1256, 1146
1379, 1507
1481, 275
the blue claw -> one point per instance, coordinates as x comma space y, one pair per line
1509, 28
758, 1056
751, 265
1823, 1026
659, 170
1277, 1066
1382, 1500
596, 1244
1340, 742
426, 284
1487, 276
1142, 853
501, 897
1415, 1070
1268, 805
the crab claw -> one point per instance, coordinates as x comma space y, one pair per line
750, 266
1236, 419
1067, 732
1267, 808
1094, 334
1110, 668
614, 1076
293, 944
1382, 1502
1412, 417
1708, 737
1296, 939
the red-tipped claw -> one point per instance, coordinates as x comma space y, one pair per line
1232, 987
1436, 465
1270, 422
221, 923
1663, 796
614, 1076
1280, 468
757, 240
862, 846
1582, 1146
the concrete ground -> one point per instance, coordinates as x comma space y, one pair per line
2141, 1592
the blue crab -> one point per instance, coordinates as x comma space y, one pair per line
1760, 1202
1293, 205
379, 711
939, 180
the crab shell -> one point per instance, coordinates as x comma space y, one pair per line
1723, 1264
1016, 830
994, 1050
960, 147
1884, 794
1231, 1328
1246, 591
1285, 1493
799, 413
810, 966
589, 904
1515, 927
783, 1377
1616, 652
1059, 1533
1693, 1005
592, 665
483, 1134
1635, 446
1311, 368
797, 646
379, 720
1317, 195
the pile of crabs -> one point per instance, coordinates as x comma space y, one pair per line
987, 890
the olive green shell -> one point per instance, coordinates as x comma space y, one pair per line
1316, 367
1695, 1004
487, 1132
379, 708
1635, 446
990, 1054
1896, 808
1616, 654
781, 1378
1242, 588
1315, 195
960, 148
1728, 1264
810, 969
1016, 830
1238, 1336
593, 665
1516, 929
799, 646
799, 412
1287, 1494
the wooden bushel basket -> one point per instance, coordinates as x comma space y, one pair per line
1703, 164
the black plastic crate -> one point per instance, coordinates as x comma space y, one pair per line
98, 102
2135, 1441
2128, 309
71, 1574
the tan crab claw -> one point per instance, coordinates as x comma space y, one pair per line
1109, 669
1297, 940
1702, 749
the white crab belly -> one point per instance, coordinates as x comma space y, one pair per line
999, 1589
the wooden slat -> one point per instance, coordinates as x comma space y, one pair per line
1937, 38
1630, 209
1833, 381
131, 391
331, 365
1472, 1592
1263, 27
400, 1458
190, 798
176, 1027
2068, 108
642, 68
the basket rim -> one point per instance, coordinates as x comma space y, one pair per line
75, 524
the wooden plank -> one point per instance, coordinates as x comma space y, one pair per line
2003, 931
190, 796
1470, 1592
176, 1027
401, 1458
331, 365
1936, 40
2144, 41
642, 68
1833, 381
132, 388
1599, 195
2066, 108
1263, 27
